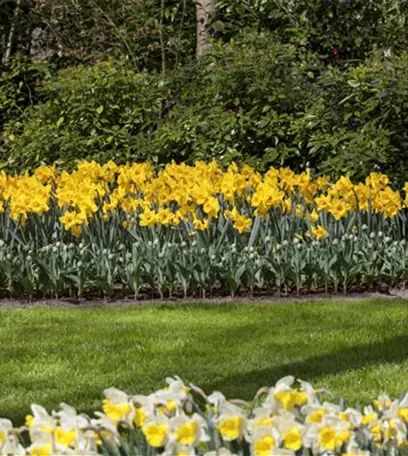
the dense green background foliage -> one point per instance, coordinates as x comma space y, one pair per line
318, 84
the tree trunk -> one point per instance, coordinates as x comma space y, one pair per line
11, 36
204, 10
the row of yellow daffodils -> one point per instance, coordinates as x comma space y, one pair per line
194, 194
287, 419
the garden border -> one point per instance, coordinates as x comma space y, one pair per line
146, 302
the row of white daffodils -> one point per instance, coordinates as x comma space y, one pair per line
291, 418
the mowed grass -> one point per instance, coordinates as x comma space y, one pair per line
50, 355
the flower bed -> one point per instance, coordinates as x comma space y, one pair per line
288, 419
195, 230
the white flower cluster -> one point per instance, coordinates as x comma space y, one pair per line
288, 419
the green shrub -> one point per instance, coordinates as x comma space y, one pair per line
253, 100
359, 123
239, 104
17, 87
86, 112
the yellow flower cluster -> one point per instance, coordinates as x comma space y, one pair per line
194, 195
282, 420
374, 194
24, 195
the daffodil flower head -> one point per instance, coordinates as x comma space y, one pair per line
117, 406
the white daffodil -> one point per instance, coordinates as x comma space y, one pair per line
144, 408
369, 416
231, 423
58, 442
5, 427
353, 449
382, 403
9, 443
167, 403
40, 419
404, 401
399, 409
262, 416
170, 400
177, 388
265, 440
290, 430
352, 417
43, 443
11, 446
69, 418
118, 406
282, 395
332, 434
315, 413
216, 401
157, 431
309, 390
105, 428
188, 431
394, 431
310, 437
173, 448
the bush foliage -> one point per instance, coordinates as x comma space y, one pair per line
95, 112
301, 84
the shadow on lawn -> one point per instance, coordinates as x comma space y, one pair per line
393, 350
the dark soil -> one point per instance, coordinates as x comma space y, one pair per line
145, 301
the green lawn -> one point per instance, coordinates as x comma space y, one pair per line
49, 355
